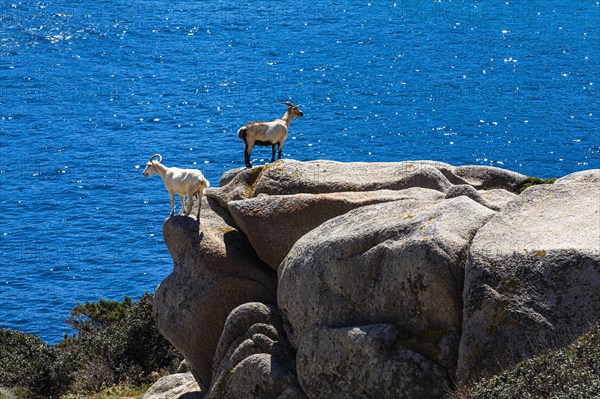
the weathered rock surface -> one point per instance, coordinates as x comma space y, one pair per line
287, 177
235, 185
273, 223
591, 176
498, 197
397, 263
175, 386
231, 174
371, 361
292, 177
253, 358
479, 176
470, 191
489, 177
214, 272
533, 279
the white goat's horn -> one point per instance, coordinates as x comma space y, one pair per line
289, 104
156, 156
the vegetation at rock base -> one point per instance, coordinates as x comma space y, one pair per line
532, 181
570, 372
115, 392
5, 394
118, 352
116, 343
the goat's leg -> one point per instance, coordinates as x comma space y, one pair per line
247, 156
279, 145
199, 194
247, 151
181, 197
273, 152
172, 195
190, 203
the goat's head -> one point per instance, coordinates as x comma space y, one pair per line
150, 166
293, 109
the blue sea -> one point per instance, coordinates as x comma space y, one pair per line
89, 89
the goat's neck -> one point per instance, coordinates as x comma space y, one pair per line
160, 169
287, 118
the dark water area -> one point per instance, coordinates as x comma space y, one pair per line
90, 89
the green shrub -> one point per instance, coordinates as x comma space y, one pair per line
26, 361
533, 181
117, 343
124, 351
98, 315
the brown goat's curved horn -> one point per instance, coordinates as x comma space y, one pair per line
289, 104
156, 156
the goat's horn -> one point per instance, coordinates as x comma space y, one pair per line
156, 156
289, 104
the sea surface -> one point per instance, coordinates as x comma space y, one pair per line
90, 89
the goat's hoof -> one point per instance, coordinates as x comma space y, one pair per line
248, 166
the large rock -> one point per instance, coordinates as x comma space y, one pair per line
273, 223
533, 279
399, 263
285, 177
254, 359
214, 272
174, 386
370, 361
315, 177
489, 177
591, 176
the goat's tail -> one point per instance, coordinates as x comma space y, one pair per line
207, 183
242, 133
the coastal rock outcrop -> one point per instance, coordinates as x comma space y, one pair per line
533, 278
399, 263
214, 272
286, 177
273, 223
389, 280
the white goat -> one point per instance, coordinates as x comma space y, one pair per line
268, 133
190, 182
